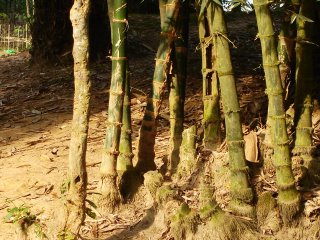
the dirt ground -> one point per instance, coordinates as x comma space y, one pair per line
36, 112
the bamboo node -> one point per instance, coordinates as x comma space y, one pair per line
283, 116
120, 93
264, 36
207, 70
162, 61
275, 93
241, 169
120, 20
236, 143
271, 64
118, 58
230, 111
113, 153
159, 84
224, 35
305, 128
307, 105
117, 124
222, 74
128, 155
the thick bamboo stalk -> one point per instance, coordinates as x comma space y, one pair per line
77, 174
211, 107
304, 83
177, 86
149, 127
240, 189
289, 197
110, 195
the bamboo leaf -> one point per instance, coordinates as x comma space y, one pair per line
297, 16
92, 204
90, 213
217, 2
203, 7
293, 18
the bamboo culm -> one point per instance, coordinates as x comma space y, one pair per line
289, 197
108, 186
169, 11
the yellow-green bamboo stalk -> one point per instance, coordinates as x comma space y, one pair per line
211, 107
177, 86
110, 195
241, 191
169, 11
289, 197
304, 83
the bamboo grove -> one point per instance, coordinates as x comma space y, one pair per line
283, 55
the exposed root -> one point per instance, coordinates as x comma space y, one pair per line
267, 214
110, 197
165, 194
184, 223
289, 204
188, 161
224, 226
266, 203
153, 180
241, 208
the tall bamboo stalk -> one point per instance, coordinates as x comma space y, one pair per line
77, 174
110, 195
241, 191
304, 83
289, 197
177, 86
211, 107
169, 11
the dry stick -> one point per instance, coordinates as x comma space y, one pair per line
77, 175
289, 197
241, 191
108, 187
304, 86
177, 86
168, 14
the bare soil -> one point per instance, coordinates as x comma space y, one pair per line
35, 117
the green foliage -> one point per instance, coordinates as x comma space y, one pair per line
22, 216
245, 5
295, 16
89, 211
65, 186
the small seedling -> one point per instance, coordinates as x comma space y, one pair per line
22, 216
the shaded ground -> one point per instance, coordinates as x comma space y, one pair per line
36, 111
